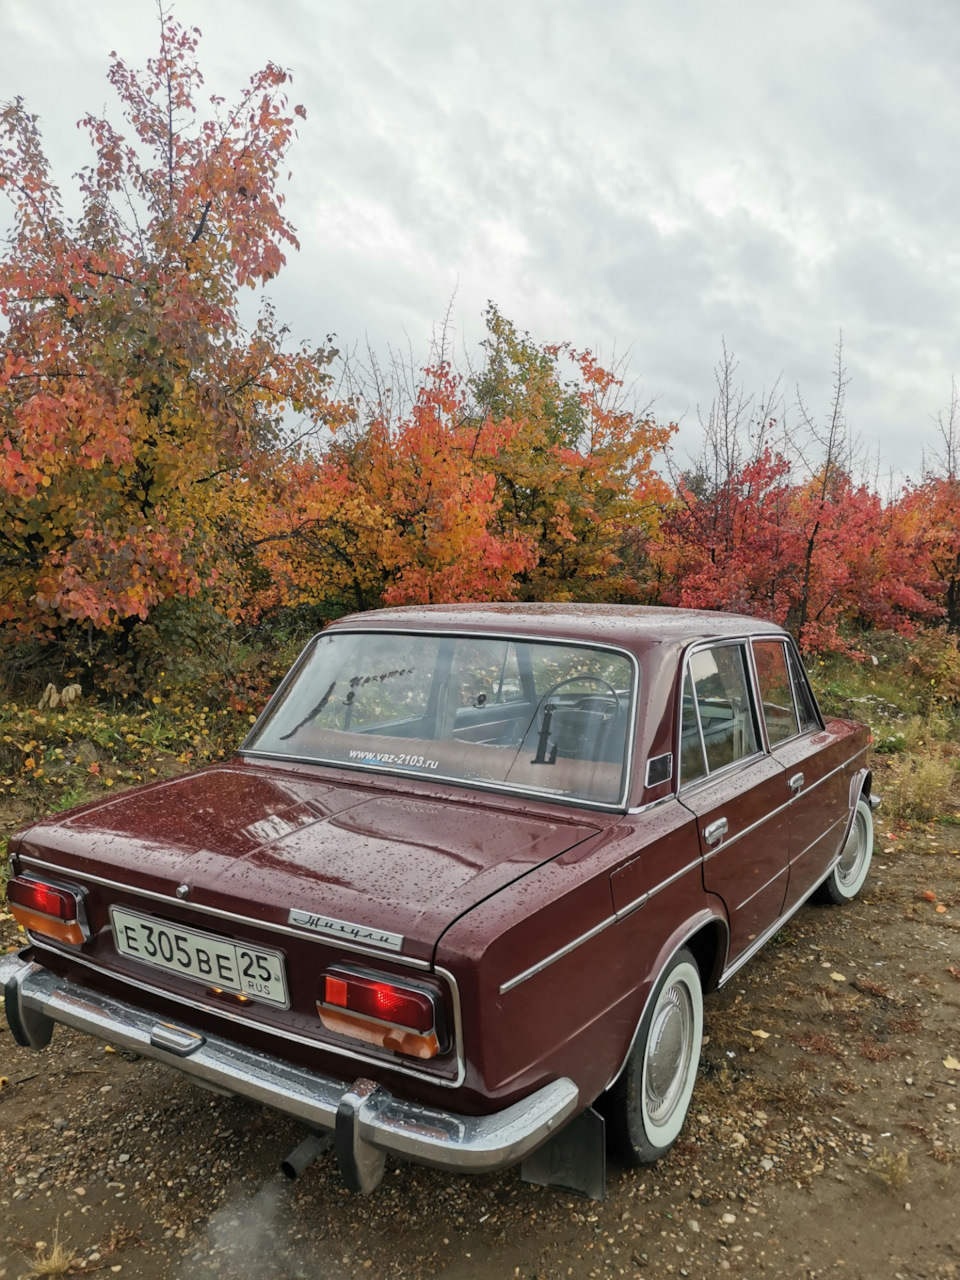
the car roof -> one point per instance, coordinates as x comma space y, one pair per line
628, 625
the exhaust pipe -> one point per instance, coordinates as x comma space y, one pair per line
311, 1148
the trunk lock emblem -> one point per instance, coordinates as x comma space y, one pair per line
182, 890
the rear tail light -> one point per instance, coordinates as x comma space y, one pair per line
48, 909
392, 1015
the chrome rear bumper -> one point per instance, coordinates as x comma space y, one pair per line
367, 1120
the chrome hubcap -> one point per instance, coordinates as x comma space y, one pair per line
668, 1053
854, 852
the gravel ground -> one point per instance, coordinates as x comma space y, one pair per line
824, 1138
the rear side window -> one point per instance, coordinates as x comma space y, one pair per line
776, 690
721, 700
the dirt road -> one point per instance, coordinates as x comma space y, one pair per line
824, 1139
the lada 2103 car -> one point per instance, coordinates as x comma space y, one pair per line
459, 894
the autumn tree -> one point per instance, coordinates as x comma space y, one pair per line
401, 511
792, 538
137, 414
575, 477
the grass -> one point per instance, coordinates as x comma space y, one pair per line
919, 787
908, 695
891, 1168
69, 752
50, 1260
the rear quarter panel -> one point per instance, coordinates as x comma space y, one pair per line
586, 914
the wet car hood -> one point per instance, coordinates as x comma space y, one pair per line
261, 841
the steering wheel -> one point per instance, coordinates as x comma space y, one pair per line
546, 711
572, 679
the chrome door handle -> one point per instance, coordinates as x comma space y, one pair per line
715, 831
796, 782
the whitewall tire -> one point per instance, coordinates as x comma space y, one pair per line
846, 879
647, 1105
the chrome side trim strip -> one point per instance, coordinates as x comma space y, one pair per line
638, 902
435, 1136
324, 1046
169, 900
767, 934
832, 827
776, 876
557, 955
598, 928
726, 843
780, 808
813, 785
495, 788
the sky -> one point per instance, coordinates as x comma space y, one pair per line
646, 179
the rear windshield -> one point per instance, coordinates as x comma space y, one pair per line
547, 719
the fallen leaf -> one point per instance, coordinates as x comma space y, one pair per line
929, 895
951, 1063
4, 1081
953, 971
890, 850
838, 977
761, 1035
941, 909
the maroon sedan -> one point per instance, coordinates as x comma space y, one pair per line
459, 894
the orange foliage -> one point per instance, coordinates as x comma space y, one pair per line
397, 516
132, 403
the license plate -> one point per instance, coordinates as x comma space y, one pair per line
216, 962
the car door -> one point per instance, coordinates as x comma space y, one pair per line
736, 791
810, 755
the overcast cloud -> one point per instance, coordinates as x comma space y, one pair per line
642, 177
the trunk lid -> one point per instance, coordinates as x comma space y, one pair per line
261, 842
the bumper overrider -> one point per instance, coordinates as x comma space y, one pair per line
366, 1120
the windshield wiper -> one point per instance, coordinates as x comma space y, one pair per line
313, 714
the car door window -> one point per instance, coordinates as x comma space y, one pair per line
776, 691
809, 719
722, 701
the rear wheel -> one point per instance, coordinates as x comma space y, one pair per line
648, 1104
846, 879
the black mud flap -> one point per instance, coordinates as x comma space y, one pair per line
361, 1165
31, 1029
574, 1159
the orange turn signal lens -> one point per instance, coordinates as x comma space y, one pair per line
410, 1043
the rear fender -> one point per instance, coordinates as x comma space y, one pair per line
711, 918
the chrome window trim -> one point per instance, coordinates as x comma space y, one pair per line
813, 697
617, 806
789, 643
734, 767
697, 647
651, 804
